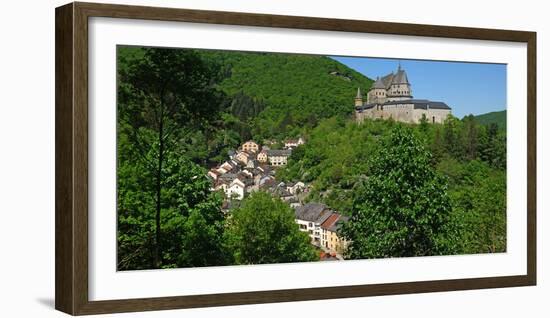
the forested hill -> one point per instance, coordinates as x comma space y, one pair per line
303, 84
498, 118
276, 95
297, 90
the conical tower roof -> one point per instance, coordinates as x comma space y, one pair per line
400, 77
359, 95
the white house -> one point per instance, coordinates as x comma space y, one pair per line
278, 157
293, 143
309, 218
236, 189
295, 188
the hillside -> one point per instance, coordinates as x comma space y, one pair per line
302, 84
498, 118
276, 95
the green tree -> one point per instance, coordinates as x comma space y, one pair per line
452, 137
402, 209
192, 222
263, 231
493, 147
470, 137
437, 146
478, 196
162, 97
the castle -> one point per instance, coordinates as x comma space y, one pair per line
391, 97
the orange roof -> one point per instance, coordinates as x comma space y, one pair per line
330, 221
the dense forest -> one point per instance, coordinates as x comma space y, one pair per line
341, 156
180, 111
498, 118
267, 95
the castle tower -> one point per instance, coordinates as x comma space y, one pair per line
358, 98
400, 88
377, 92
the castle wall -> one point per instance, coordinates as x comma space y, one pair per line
404, 113
399, 112
437, 116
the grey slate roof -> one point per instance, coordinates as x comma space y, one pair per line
387, 80
313, 212
418, 104
359, 95
400, 77
365, 106
393, 78
228, 176
378, 83
421, 103
281, 152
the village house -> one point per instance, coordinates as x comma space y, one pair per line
236, 189
309, 218
243, 157
248, 172
324, 236
262, 156
330, 238
293, 143
294, 203
284, 195
295, 187
278, 157
214, 174
252, 164
250, 146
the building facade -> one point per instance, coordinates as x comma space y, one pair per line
309, 218
278, 157
250, 146
262, 156
391, 97
293, 143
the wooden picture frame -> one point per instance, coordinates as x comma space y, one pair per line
71, 155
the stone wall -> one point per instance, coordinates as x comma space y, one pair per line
404, 113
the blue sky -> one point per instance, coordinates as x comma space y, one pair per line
468, 88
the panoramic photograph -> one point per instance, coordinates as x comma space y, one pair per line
244, 158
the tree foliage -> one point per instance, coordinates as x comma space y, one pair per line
411, 189
163, 95
191, 220
263, 231
402, 208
